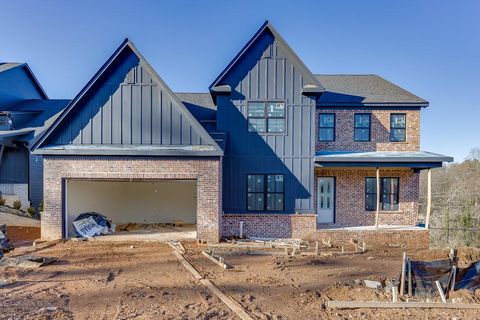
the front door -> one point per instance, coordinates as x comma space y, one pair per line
325, 200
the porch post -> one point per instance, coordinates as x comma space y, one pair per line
378, 198
429, 197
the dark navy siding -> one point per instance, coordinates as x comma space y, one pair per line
17, 85
14, 166
127, 106
35, 187
266, 73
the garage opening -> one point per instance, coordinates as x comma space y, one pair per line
145, 210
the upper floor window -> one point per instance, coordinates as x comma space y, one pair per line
266, 117
398, 127
326, 127
389, 194
362, 127
5, 122
265, 192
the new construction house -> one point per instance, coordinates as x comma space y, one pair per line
270, 149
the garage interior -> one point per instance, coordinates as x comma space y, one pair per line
161, 210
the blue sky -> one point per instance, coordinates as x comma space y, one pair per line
431, 48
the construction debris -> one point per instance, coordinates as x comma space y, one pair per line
5, 244
372, 284
91, 224
6, 282
26, 262
217, 260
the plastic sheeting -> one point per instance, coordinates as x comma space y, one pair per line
91, 224
469, 277
5, 244
425, 273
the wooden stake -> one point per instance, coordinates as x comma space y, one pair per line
394, 294
429, 198
402, 276
440, 291
316, 248
409, 278
378, 198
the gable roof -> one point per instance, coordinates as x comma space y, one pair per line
128, 44
5, 66
312, 85
365, 90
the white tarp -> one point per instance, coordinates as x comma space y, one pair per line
88, 227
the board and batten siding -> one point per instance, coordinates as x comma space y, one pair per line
17, 85
127, 106
266, 73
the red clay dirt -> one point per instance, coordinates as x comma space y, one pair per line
103, 280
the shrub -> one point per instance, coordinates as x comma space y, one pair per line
2, 201
31, 211
40, 207
17, 204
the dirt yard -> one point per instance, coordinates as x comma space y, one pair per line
127, 280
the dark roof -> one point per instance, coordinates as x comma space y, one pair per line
201, 105
365, 90
46, 112
312, 84
419, 159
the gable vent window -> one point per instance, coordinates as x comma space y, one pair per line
398, 127
5, 122
266, 117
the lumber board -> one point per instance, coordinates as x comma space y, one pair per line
401, 305
217, 262
187, 265
229, 302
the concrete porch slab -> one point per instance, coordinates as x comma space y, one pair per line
152, 235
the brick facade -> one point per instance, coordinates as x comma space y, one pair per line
350, 196
206, 171
269, 225
380, 131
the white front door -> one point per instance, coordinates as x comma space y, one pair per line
325, 200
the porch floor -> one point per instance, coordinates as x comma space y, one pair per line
368, 228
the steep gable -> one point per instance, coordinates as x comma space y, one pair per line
127, 109
266, 43
17, 83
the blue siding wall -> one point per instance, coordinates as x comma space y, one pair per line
266, 73
14, 166
17, 84
36, 180
127, 106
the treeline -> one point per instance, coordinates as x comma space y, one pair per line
455, 216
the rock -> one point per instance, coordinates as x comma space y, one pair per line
370, 258
5, 282
372, 284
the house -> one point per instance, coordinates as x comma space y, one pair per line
25, 111
271, 148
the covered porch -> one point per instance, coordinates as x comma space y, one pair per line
347, 185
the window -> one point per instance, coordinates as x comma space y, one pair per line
389, 191
5, 122
266, 117
326, 127
362, 127
398, 125
265, 192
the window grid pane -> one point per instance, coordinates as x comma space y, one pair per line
265, 192
276, 125
256, 125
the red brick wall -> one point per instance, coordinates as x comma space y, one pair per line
350, 196
270, 225
207, 172
380, 131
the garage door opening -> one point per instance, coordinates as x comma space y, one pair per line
154, 210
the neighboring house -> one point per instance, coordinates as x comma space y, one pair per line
272, 145
25, 111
